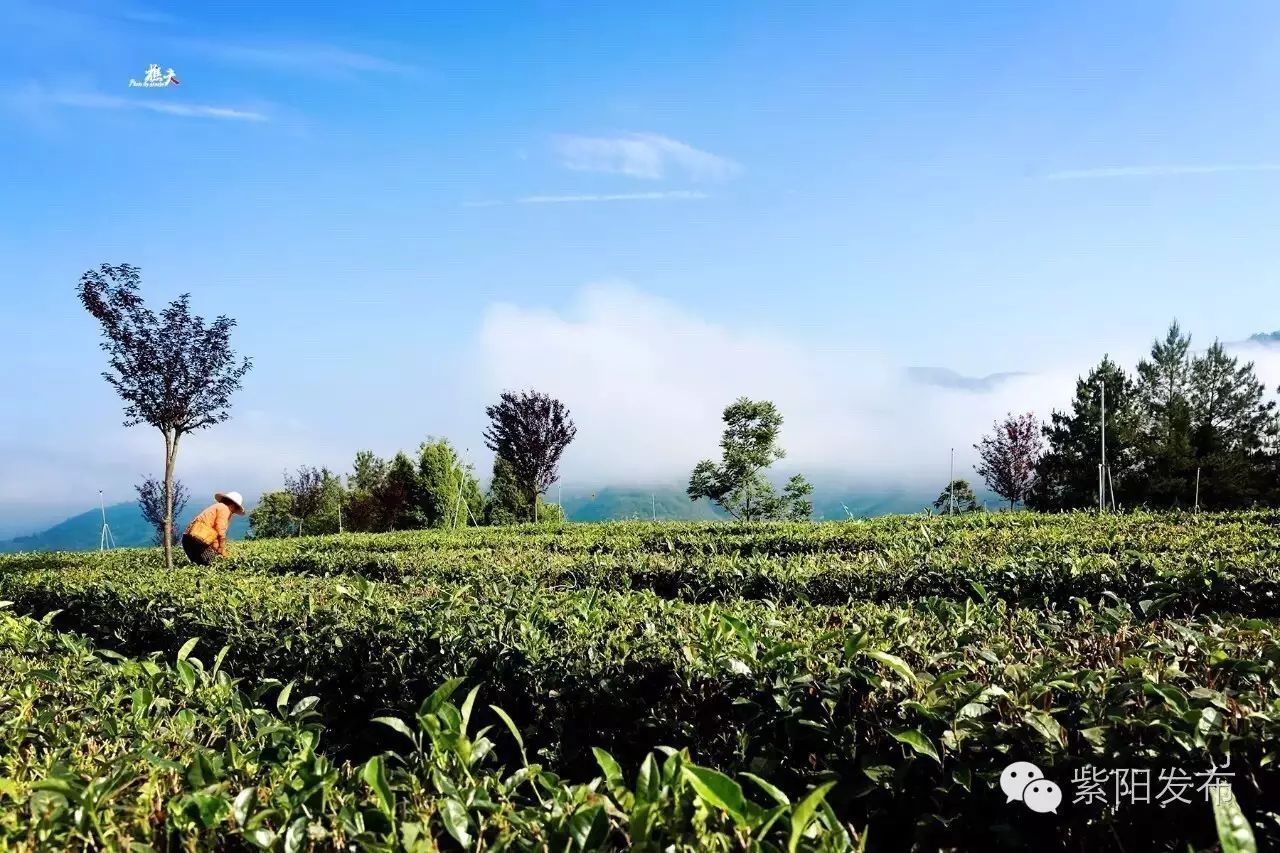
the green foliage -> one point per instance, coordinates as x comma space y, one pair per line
1183, 413
136, 753
903, 659
958, 496
273, 517
436, 491
1067, 474
506, 502
449, 495
738, 483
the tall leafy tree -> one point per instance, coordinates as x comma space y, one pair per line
530, 430
748, 448
173, 370
957, 497
362, 506
151, 502
1067, 473
505, 503
1009, 455
448, 490
1164, 388
306, 488
399, 498
368, 472
272, 517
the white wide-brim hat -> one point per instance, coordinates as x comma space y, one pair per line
233, 497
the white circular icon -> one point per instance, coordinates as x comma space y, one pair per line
1042, 796
1015, 778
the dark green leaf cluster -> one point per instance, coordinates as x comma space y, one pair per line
102, 751
1188, 428
1143, 639
738, 483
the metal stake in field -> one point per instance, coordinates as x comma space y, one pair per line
106, 540
951, 485
1104, 473
459, 503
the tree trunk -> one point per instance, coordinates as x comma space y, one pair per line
170, 456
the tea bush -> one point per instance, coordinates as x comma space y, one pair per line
101, 751
904, 660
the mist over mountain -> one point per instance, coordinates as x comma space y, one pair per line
832, 500
83, 532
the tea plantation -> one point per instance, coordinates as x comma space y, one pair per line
686, 686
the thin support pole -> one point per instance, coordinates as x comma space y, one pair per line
1102, 468
951, 485
105, 541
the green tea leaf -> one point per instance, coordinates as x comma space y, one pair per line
375, 776
802, 814
454, 817
918, 741
398, 725
1234, 832
894, 663
185, 651
718, 790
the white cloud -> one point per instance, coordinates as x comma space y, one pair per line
1160, 171
299, 57
642, 155
152, 102
646, 382
671, 195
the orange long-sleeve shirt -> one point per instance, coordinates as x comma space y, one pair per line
210, 526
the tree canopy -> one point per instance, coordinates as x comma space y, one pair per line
1009, 456
530, 430
1182, 412
748, 448
173, 370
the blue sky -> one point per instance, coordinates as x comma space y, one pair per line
647, 210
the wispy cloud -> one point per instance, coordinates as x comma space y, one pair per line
298, 57
642, 155
140, 15
1160, 171
671, 195
151, 102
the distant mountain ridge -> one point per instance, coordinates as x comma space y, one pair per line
1268, 338
83, 532
831, 500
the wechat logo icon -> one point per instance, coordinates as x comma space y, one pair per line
1025, 782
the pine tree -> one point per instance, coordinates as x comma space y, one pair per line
1067, 473
1232, 426
1164, 388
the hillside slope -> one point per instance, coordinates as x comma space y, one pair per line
831, 500
83, 532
